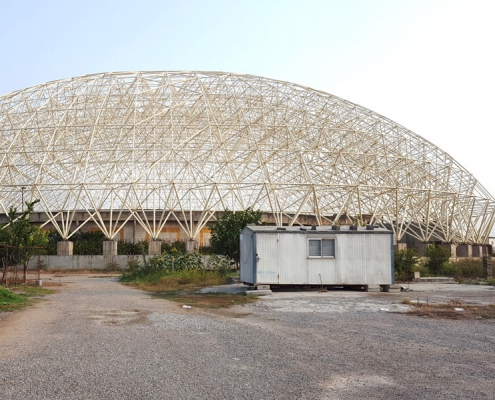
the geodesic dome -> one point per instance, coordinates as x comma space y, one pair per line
135, 144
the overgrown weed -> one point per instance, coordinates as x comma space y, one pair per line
179, 276
158, 281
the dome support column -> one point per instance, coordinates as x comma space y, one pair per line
192, 245
464, 250
110, 248
65, 248
154, 247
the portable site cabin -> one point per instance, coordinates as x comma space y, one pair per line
316, 256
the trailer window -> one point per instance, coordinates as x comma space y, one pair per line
321, 247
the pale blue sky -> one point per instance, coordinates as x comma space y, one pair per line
428, 65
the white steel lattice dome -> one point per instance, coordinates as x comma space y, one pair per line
167, 144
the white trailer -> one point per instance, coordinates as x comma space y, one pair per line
317, 256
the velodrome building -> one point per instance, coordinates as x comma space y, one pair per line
159, 155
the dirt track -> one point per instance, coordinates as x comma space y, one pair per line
98, 339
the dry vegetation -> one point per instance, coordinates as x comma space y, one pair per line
206, 300
448, 310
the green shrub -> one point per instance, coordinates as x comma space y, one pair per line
222, 264
450, 269
132, 249
170, 247
471, 269
226, 232
161, 265
467, 269
7, 294
404, 262
205, 250
7, 298
85, 243
436, 257
133, 265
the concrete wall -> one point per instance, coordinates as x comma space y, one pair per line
90, 262
83, 262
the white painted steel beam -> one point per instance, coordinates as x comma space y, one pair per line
158, 146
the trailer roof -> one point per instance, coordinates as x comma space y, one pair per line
344, 229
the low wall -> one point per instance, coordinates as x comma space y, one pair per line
83, 262
90, 262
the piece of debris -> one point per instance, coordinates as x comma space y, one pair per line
184, 306
458, 309
384, 309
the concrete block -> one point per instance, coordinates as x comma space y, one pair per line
373, 288
476, 250
417, 275
192, 245
452, 248
385, 288
395, 289
258, 292
437, 279
65, 248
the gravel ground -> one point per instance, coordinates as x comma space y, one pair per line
97, 339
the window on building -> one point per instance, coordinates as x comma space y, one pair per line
321, 247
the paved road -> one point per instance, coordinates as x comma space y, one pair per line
97, 339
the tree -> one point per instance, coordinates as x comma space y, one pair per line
225, 234
23, 236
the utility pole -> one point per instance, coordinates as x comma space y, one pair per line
22, 198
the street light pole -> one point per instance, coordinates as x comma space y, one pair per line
22, 197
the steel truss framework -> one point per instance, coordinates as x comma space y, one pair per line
169, 143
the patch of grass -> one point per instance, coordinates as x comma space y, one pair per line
10, 301
447, 310
20, 296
